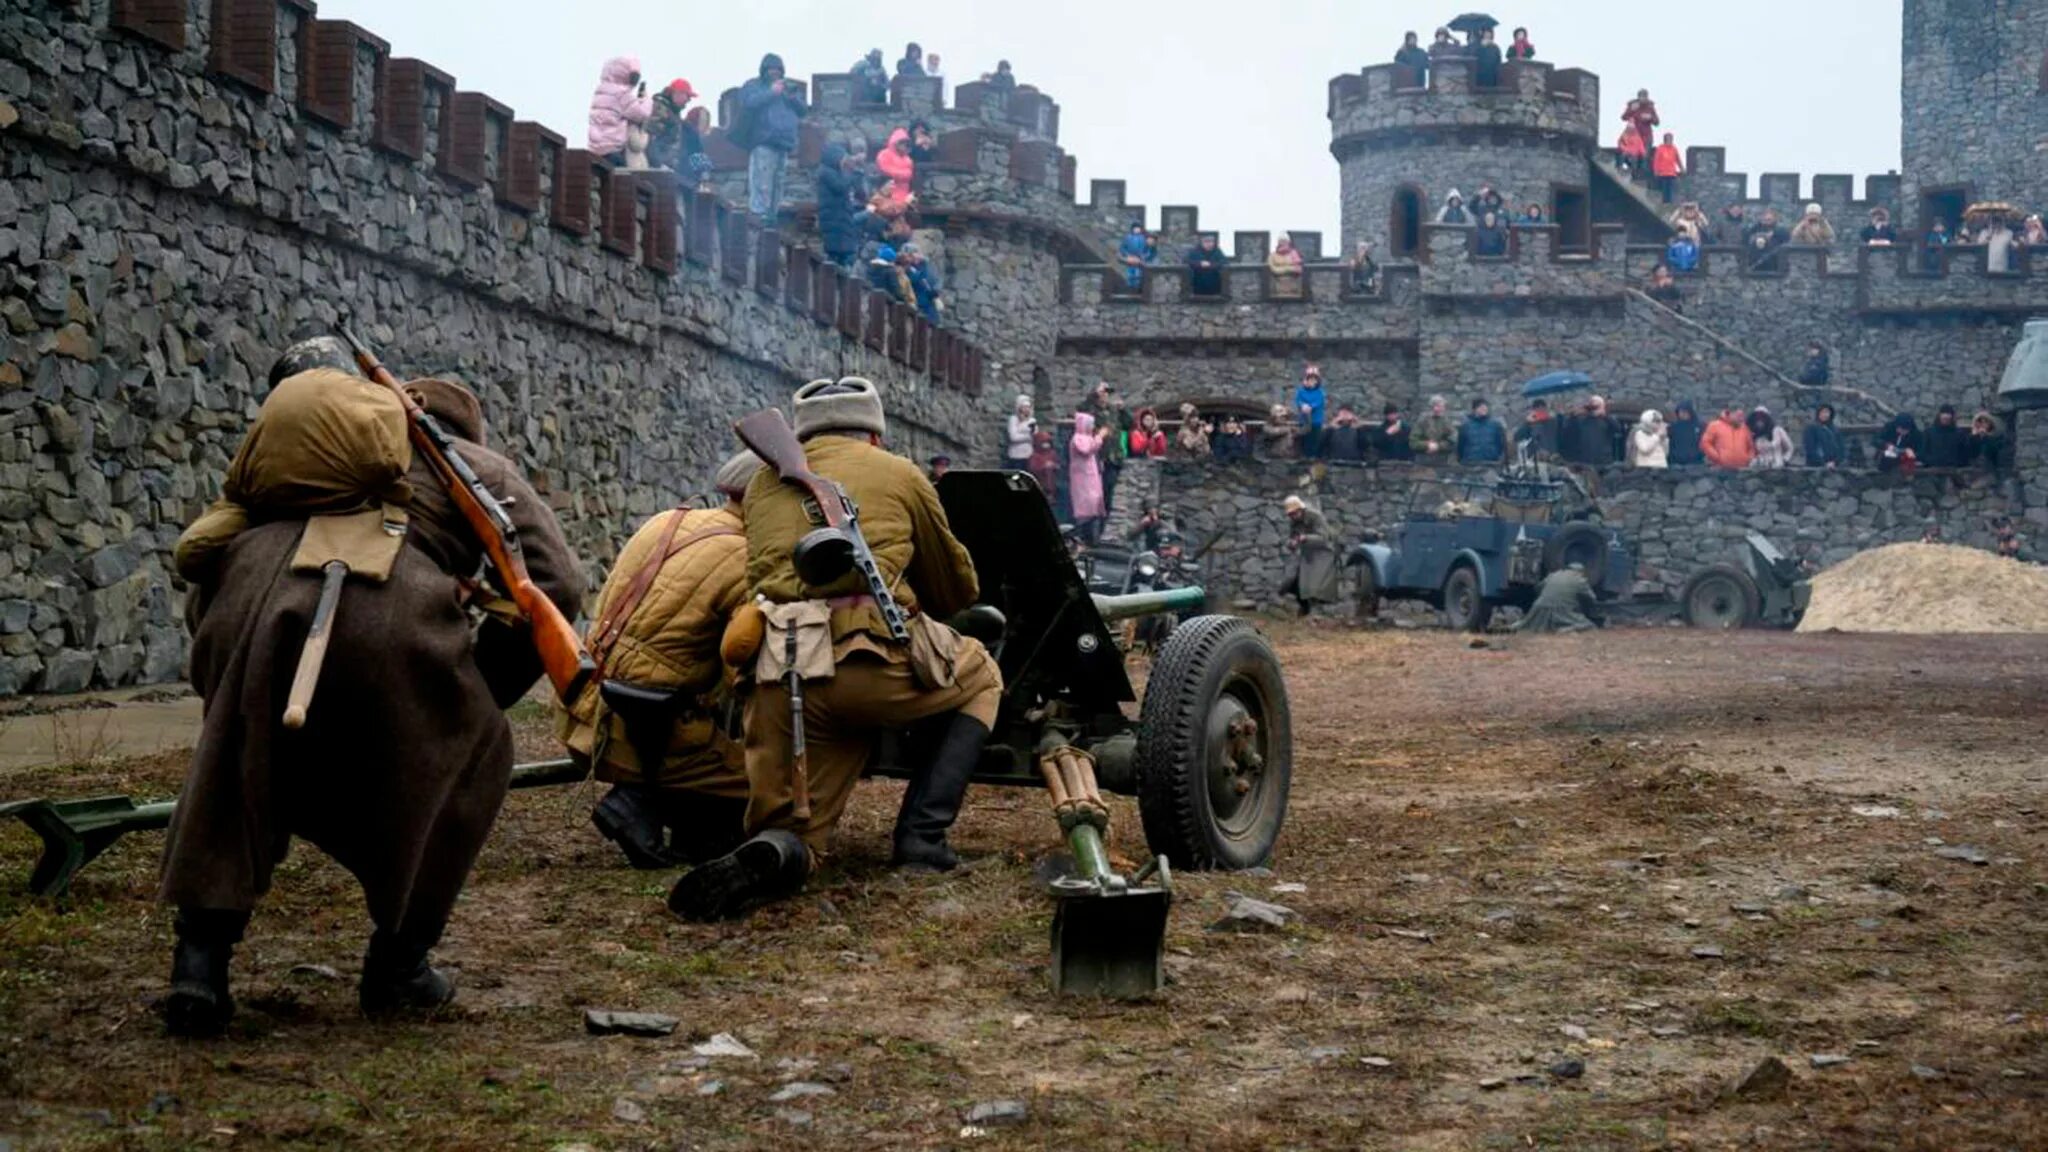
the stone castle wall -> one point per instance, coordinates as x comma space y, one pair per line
179, 197
1974, 103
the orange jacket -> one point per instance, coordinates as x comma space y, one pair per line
1728, 445
1665, 162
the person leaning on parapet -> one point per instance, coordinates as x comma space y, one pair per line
1649, 442
1434, 435
885, 275
1453, 211
1536, 439
1666, 167
1345, 441
1879, 233
770, 111
1482, 439
871, 78
1521, 49
1685, 434
1590, 437
1281, 437
1444, 45
1311, 577
1392, 439
1311, 404
1727, 442
1205, 267
1486, 57
1565, 603
1899, 444
912, 63
1933, 246
1947, 443
1532, 216
405, 754
1365, 271
841, 192
941, 685
1232, 441
1691, 219
1988, 445
1192, 441
1821, 442
1414, 56
1284, 268
672, 144
1131, 253
1765, 238
1148, 439
619, 106
1490, 238
1489, 200
679, 783
1002, 79
1773, 443
1813, 229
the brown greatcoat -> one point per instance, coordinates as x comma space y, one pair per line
406, 754
671, 641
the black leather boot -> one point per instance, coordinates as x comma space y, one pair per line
702, 828
198, 1004
629, 817
932, 802
397, 978
766, 868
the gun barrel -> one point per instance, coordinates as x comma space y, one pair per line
1115, 608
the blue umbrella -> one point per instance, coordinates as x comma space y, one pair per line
1554, 383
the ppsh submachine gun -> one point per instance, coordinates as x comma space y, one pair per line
1209, 756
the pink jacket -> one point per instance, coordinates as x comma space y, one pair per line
1084, 471
614, 107
897, 166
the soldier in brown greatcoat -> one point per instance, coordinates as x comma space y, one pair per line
405, 755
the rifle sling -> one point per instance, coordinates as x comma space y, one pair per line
609, 630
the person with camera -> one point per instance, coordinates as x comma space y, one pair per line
769, 113
1023, 427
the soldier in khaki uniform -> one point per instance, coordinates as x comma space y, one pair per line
658, 625
862, 682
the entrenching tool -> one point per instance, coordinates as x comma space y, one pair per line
314, 654
76, 832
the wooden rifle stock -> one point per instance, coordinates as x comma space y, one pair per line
564, 659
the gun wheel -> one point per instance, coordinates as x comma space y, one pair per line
1721, 596
1215, 747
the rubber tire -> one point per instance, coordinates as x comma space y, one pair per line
1187, 677
1482, 611
1368, 594
1752, 600
1578, 537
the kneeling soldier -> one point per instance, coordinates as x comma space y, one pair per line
399, 768
858, 680
655, 726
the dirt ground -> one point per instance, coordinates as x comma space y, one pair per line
1554, 893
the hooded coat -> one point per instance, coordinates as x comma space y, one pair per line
614, 107
1898, 440
1822, 441
1946, 445
775, 115
1773, 443
897, 166
839, 192
406, 754
1649, 442
1454, 210
1084, 469
1685, 437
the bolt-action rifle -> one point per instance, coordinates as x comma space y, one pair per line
567, 663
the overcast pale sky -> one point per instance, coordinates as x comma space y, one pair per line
1220, 105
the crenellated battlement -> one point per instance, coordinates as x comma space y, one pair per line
834, 99
1708, 181
1382, 105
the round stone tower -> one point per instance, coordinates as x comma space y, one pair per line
1403, 147
1975, 94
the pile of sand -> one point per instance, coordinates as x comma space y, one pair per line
1929, 588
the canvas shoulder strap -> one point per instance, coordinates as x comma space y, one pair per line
609, 629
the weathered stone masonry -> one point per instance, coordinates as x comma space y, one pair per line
181, 193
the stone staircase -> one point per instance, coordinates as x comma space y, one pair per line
1802, 395
1639, 194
